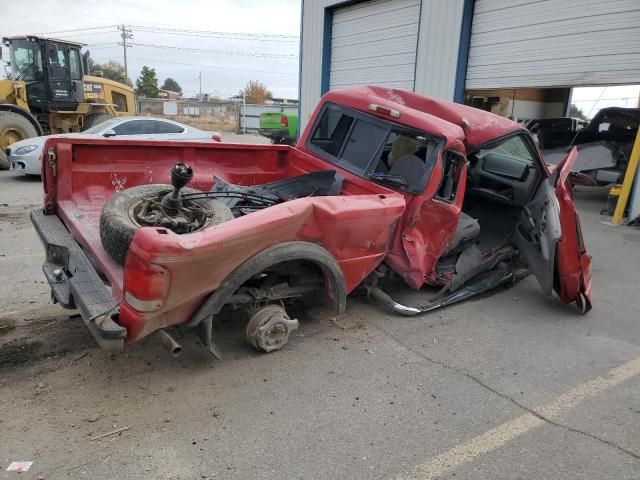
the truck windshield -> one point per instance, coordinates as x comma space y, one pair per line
26, 61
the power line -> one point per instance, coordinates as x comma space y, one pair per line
213, 33
604, 99
594, 105
195, 91
180, 31
106, 32
99, 46
78, 30
222, 67
223, 52
227, 36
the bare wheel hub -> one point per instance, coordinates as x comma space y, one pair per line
269, 328
150, 212
169, 209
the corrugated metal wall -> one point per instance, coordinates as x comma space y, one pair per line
375, 43
311, 55
438, 46
436, 58
517, 43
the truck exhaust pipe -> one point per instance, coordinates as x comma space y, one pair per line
169, 343
391, 304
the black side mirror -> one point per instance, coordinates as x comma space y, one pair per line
109, 133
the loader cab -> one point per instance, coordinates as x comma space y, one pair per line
51, 69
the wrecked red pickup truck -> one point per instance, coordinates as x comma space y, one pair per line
381, 182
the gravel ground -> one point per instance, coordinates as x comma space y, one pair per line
374, 396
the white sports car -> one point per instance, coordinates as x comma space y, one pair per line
24, 156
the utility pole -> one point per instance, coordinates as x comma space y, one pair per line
125, 34
200, 78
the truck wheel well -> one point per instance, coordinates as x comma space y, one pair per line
300, 278
6, 107
304, 254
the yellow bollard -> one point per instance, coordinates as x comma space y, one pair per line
628, 182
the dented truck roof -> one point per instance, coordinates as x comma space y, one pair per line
457, 122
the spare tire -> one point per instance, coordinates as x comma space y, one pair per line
117, 227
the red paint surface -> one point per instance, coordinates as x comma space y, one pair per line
574, 264
367, 224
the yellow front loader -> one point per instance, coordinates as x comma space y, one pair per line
48, 92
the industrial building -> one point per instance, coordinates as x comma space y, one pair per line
518, 58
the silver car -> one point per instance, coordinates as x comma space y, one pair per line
24, 156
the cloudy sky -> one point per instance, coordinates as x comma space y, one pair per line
229, 41
242, 39
592, 99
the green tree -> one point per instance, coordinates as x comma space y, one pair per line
576, 112
111, 69
147, 83
255, 92
171, 85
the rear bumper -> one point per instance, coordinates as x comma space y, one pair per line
75, 283
274, 132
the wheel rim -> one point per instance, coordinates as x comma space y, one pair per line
11, 135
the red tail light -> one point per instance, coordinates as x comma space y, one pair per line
216, 137
145, 284
284, 121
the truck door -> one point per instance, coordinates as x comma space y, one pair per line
549, 237
432, 218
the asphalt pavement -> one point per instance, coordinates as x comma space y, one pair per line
513, 386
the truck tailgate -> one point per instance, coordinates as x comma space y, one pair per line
75, 283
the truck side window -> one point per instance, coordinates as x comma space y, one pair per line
331, 130
452, 164
515, 148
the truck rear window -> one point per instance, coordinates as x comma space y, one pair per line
383, 152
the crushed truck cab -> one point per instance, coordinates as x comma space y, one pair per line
144, 235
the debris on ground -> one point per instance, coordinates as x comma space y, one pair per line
112, 432
19, 467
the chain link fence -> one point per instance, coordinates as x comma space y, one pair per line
227, 116
221, 117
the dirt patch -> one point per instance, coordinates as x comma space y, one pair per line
19, 219
6, 326
18, 353
40, 333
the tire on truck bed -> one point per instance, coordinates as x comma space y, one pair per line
117, 228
